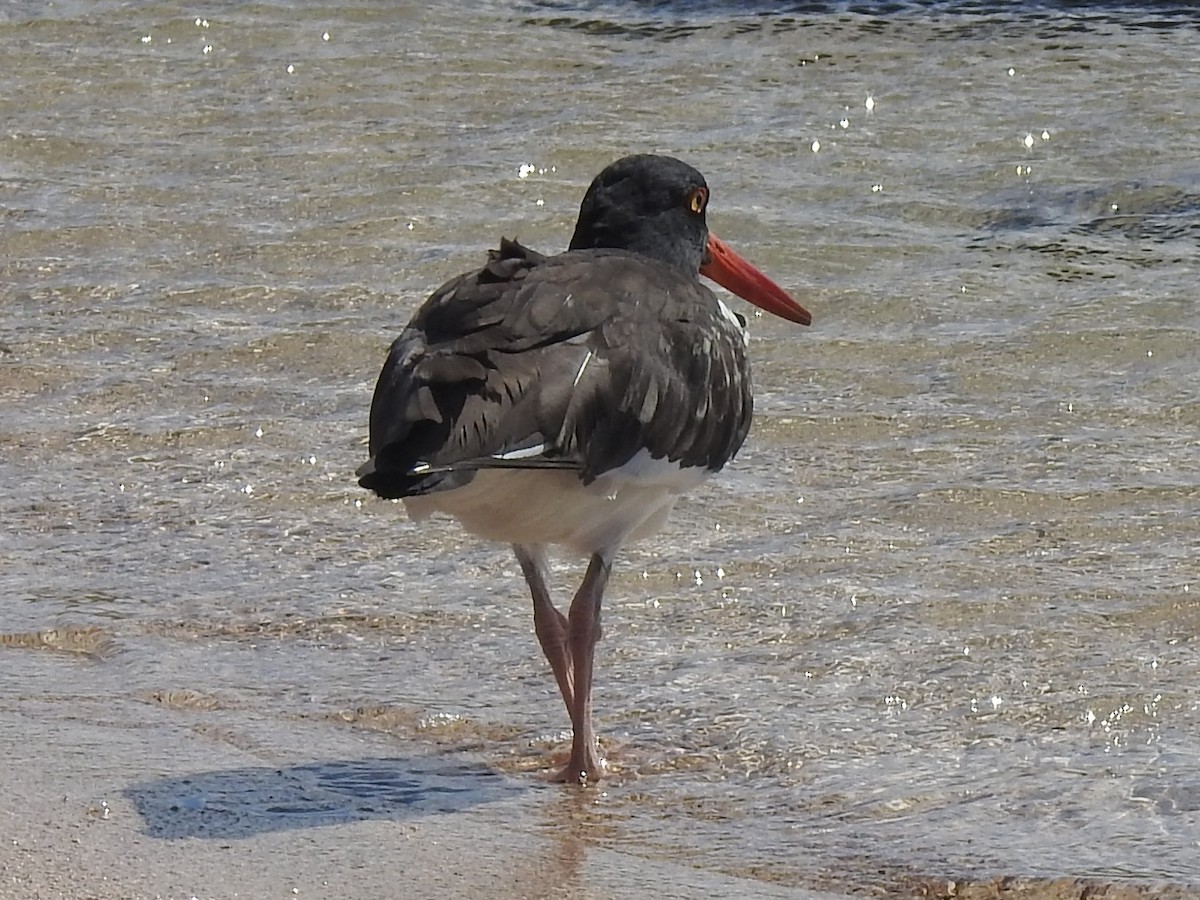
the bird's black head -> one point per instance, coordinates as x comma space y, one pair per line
652, 205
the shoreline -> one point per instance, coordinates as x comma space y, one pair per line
120, 799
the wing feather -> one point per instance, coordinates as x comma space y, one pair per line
576, 361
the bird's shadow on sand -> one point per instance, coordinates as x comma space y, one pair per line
240, 803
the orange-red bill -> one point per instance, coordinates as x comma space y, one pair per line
734, 274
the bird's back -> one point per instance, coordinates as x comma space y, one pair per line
577, 363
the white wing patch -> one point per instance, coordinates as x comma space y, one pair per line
522, 453
737, 321
583, 365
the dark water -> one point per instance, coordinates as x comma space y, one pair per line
937, 621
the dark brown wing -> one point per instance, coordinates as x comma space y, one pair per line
575, 361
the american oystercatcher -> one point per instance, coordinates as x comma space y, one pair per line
572, 399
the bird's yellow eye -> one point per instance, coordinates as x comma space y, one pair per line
697, 200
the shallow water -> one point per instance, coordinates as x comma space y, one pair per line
937, 620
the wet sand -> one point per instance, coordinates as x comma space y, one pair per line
174, 796
128, 799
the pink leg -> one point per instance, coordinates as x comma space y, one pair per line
585, 766
548, 623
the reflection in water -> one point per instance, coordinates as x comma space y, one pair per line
572, 824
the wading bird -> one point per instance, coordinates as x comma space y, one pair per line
570, 400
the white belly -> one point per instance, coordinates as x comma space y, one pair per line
550, 506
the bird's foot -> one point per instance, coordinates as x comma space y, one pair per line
581, 771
